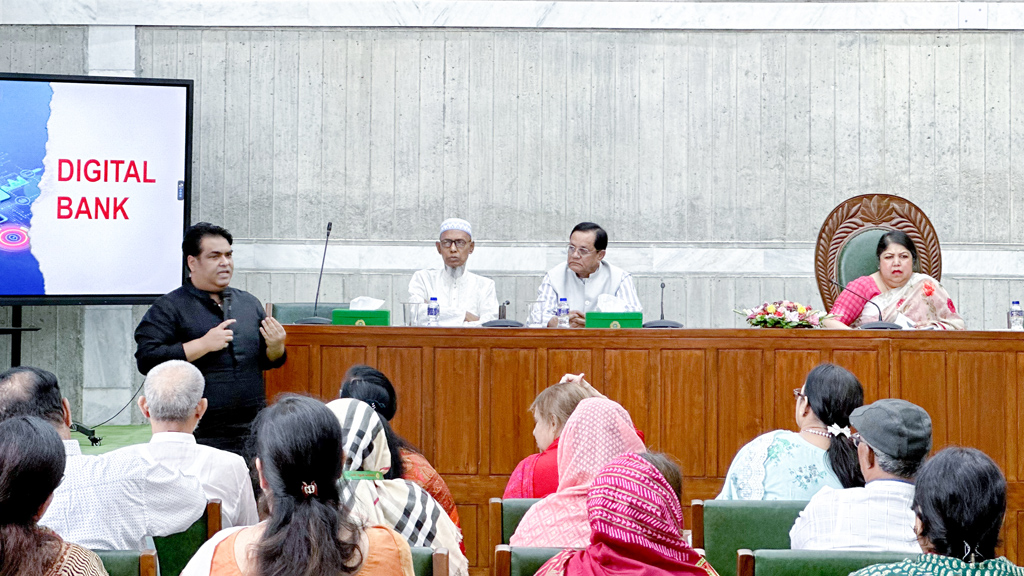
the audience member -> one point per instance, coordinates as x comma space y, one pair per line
536, 476
370, 385
893, 438
398, 503
786, 465
636, 525
310, 529
960, 503
597, 432
31, 467
174, 403
107, 502
669, 470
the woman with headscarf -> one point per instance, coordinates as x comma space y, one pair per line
597, 432
310, 529
398, 503
636, 526
31, 466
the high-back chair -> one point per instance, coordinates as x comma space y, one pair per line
520, 560
177, 549
131, 562
427, 561
504, 517
849, 236
811, 562
722, 527
291, 312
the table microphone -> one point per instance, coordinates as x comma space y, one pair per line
502, 322
314, 319
871, 325
662, 323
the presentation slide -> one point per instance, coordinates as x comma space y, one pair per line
92, 188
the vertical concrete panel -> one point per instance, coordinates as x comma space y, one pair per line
972, 137
822, 138
921, 119
650, 221
579, 125
237, 100
602, 143
309, 175
455, 200
723, 145
212, 55
677, 171
285, 129
699, 132
847, 116
897, 114
773, 135
1016, 128
480, 153
798, 136
334, 122
381, 202
747, 201
359, 109
625, 201
407, 136
947, 138
872, 114
505, 191
431, 141
997, 138
552, 215
529, 136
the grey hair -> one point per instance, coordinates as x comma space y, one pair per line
173, 390
899, 467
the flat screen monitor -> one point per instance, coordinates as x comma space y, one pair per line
95, 181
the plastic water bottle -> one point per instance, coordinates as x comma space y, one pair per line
433, 312
1015, 317
563, 313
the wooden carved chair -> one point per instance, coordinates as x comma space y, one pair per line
847, 240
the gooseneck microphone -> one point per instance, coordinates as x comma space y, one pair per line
880, 325
662, 323
314, 319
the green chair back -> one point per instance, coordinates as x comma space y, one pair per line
130, 562
820, 562
423, 560
177, 549
526, 561
857, 257
289, 313
730, 525
512, 511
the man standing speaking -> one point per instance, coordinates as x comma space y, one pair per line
223, 331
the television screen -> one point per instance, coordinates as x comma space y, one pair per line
94, 188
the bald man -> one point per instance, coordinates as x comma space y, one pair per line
465, 299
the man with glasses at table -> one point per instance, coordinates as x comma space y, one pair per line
583, 278
464, 298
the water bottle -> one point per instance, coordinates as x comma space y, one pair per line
433, 312
563, 313
1015, 317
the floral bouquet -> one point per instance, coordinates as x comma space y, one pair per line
783, 314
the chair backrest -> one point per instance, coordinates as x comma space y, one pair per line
291, 312
731, 525
504, 516
811, 562
177, 549
520, 560
130, 562
847, 240
427, 561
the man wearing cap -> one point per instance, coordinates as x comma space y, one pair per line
893, 438
465, 299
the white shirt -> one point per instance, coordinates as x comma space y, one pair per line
224, 475
114, 500
876, 517
582, 293
457, 291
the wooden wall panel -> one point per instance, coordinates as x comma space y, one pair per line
404, 367
923, 381
457, 410
514, 386
627, 381
791, 368
562, 362
864, 365
684, 408
295, 375
983, 381
334, 362
739, 389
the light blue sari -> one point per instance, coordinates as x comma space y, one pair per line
778, 465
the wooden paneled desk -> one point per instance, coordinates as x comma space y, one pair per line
697, 394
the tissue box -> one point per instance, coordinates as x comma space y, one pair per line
361, 317
615, 319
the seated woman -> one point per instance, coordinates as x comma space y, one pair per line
636, 525
31, 466
597, 432
310, 530
786, 465
536, 476
398, 504
370, 385
960, 501
902, 295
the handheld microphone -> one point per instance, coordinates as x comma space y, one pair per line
880, 325
225, 299
314, 319
662, 323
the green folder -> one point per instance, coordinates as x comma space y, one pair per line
615, 319
361, 317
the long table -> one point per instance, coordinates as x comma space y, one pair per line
697, 394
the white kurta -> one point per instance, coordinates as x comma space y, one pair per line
582, 293
457, 291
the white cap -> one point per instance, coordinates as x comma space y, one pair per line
456, 224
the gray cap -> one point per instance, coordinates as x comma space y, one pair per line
894, 427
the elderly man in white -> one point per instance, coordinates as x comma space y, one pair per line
174, 403
582, 279
464, 298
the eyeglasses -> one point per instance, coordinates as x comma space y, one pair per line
797, 393
459, 244
857, 439
583, 252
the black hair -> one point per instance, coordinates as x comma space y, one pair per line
299, 444
833, 392
896, 237
40, 397
669, 470
367, 384
31, 467
191, 243
600, 236
960, 497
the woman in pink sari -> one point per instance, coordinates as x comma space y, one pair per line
636, 523
597, 432
903, 296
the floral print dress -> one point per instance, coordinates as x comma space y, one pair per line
778, 465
